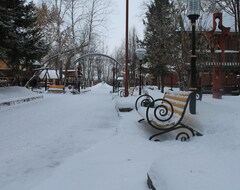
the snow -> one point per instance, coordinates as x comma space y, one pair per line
66, 141
14, 93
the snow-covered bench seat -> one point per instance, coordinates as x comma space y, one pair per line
166, 114
56, 88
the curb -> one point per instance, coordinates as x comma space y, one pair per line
19, 101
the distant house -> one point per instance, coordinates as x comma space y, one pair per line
3, 65
6, 75
71, 76
52, 76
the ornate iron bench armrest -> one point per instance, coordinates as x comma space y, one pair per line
161, 114
144, 101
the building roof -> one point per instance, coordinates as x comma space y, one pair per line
52, 74
120, 78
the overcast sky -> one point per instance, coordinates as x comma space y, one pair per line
115, 34
117, 21
117, 24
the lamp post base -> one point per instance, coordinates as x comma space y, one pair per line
192, 103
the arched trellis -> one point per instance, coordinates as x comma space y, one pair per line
96, 54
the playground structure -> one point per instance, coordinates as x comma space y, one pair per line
77, 70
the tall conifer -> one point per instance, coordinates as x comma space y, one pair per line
158, 36
21, 42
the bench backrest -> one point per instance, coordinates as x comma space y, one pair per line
179, 101
168, 112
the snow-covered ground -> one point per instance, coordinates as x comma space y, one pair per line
72, 142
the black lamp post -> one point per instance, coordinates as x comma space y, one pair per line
238, 84
114, 71
193, 14
79, 68
140, 52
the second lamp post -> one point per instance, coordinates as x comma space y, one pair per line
140, 52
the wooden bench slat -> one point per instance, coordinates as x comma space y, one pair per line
56, 86
177, 98
163, 125
179, 106
179, 112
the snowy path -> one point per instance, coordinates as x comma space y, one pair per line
38, 136
80, 142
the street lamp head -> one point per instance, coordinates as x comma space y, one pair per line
140, 52
193, 9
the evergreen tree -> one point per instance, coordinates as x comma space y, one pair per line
158, 37
5, 25
22, 41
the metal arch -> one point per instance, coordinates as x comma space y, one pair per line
96, 54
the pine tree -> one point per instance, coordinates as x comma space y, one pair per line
158, 36
21, 42
5, 26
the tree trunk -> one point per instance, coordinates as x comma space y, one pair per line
162, 83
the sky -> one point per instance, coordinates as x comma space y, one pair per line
82, 141
117, 27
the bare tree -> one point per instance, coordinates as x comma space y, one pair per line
96, 18
72, 24
119, 54
133, 44
55, 30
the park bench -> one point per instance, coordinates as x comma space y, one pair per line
56, 88
166, 114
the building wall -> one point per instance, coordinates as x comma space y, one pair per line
227, 65
3, 66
